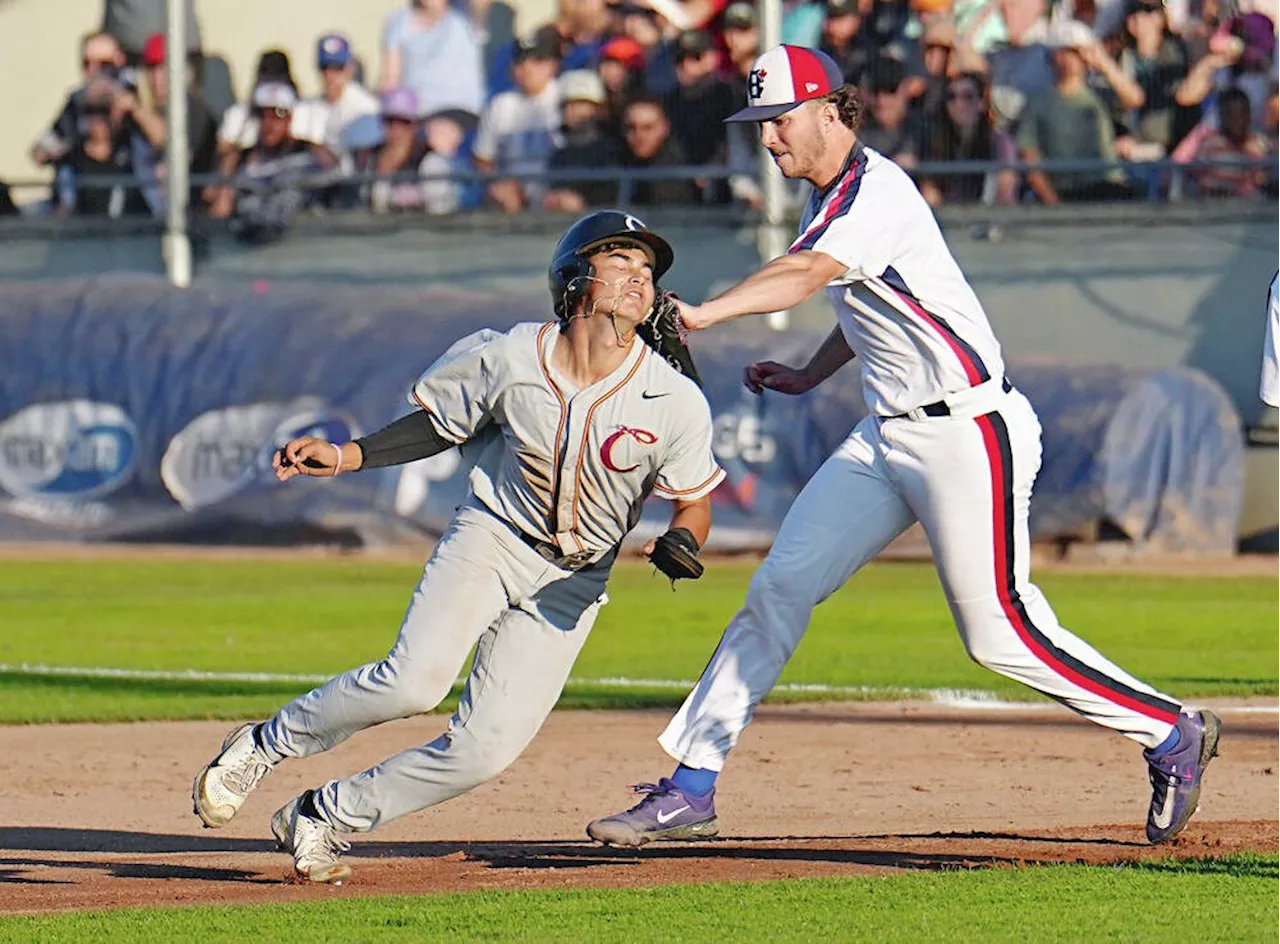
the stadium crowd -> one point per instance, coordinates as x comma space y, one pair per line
645, 84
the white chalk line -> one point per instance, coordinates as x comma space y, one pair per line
972, 699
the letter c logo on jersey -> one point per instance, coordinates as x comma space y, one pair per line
642, 436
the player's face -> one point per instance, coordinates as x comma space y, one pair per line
625, 286
795, 140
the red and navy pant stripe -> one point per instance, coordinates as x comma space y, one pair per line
995, 435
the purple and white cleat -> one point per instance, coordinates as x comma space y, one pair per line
1175, 775
666, 812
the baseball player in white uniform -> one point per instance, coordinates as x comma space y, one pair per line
576, 422
1269, 387
948, 442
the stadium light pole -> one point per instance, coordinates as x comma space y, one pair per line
771, 238
175, 245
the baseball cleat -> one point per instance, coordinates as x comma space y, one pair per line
314, 844
1175, 775
221, 788
666, 812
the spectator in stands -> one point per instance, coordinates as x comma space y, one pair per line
698, 106
622, 68
1156, 61
133, 22
1235, 141
843, 41
963, 131
889, 126
435, 50
103, 145
100, 56
1070, 122
202, 131
741, 46
277, 155
649, 143
586, 145
937, 46
584, 27
404, 151
239, 128
1020, 67
519, 130
324, 118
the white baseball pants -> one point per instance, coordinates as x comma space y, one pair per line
967, 478
482, 584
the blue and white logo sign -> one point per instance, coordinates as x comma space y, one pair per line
74, 449
222, 452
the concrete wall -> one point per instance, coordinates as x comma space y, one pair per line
41, 60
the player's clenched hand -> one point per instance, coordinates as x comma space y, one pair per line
771, 375
692, 316
306, 456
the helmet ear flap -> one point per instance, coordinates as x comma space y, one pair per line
575, 279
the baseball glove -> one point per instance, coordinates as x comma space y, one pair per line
676, 555
665, 333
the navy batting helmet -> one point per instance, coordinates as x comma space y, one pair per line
567, 278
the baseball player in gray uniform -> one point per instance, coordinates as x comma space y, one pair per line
576, 423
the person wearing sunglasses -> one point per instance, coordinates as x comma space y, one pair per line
100, 57
277, 156
963, 131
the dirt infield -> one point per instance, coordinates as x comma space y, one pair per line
96, 816
100, 816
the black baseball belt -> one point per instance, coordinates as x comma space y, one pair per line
940, 408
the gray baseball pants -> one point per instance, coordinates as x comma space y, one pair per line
483, 587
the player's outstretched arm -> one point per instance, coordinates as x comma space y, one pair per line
407, 439
783, 283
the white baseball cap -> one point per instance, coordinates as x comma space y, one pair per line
274, 95
787, 76
581, 85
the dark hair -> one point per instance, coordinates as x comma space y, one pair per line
1234, 94
647, 98
946, 144
273, 65
846, 100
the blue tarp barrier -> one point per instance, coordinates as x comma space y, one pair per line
131, 411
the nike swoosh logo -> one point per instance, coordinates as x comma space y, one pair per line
646, 395
1165, 816
663, 820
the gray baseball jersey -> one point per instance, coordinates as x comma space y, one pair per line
574, 466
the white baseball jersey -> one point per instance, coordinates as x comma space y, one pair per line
1269, 389
570, 466
903, 304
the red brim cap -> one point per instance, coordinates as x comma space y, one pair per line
787, 76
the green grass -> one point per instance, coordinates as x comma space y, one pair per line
1228, 899
889, 628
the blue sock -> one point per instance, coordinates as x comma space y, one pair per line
695, 781
1168, 743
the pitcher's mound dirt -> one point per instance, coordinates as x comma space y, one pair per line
100, 816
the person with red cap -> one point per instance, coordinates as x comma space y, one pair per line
202, 129
947, 442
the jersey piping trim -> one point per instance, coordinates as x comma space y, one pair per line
706, 486
839, 204
435, 420
564, 415
904, 304
586, 433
